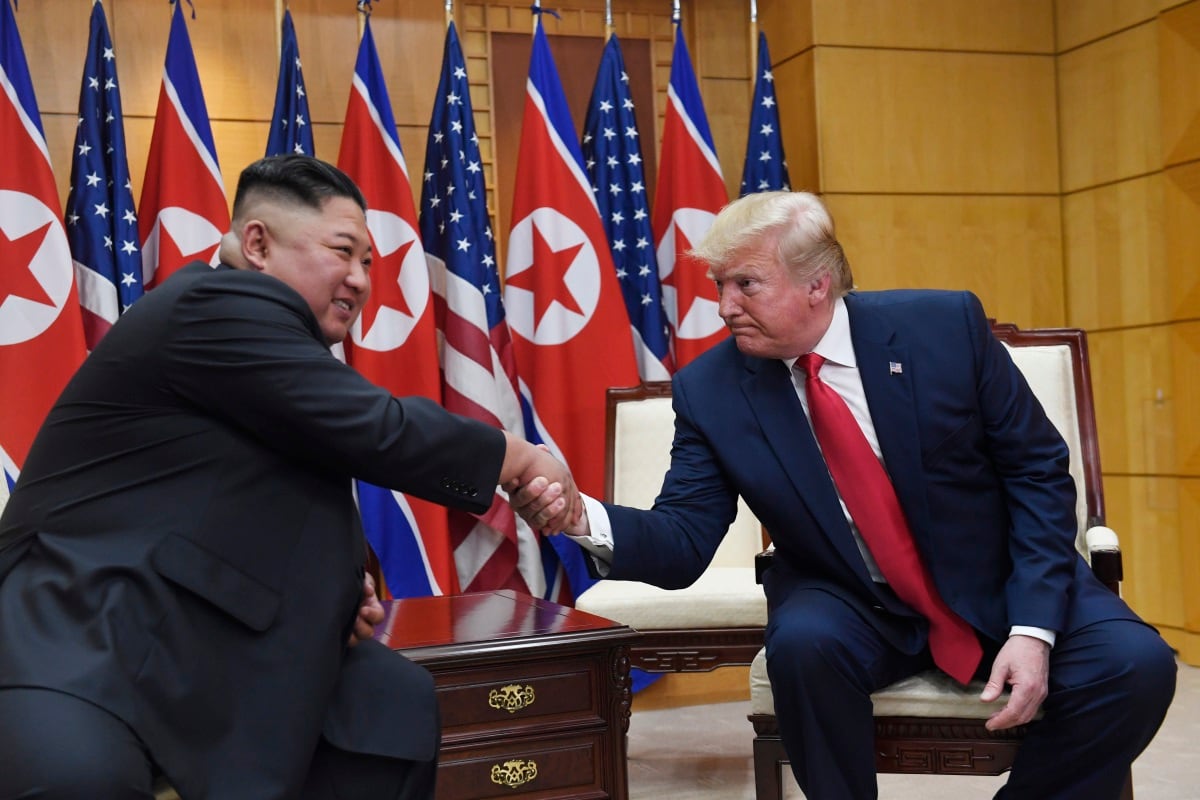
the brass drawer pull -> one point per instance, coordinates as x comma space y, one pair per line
514, 773
511, 698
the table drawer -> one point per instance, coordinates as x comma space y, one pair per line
545, 768
505, 698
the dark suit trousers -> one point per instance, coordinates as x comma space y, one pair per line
54, 746
1110, 686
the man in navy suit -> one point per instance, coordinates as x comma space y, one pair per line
982, 480
181, 560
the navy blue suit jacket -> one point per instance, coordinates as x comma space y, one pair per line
980, 472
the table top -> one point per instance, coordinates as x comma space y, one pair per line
421, 627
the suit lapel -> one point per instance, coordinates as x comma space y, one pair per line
772, 399
887, 374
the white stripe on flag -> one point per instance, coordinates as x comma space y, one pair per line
97, 293
208, 158
705, 150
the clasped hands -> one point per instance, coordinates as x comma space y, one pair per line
545, 496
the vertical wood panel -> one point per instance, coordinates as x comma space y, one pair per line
1135, 400
1109, 109
1114, 252
1185, 352
895, 121
327, 34
788, 25
1005, 249
54, 34
1179, 82
796, 91
1181, 193
1148, 517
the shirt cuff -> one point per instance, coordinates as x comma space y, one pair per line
599, 541
1047, 636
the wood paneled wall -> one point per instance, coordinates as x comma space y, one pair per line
1129, 118
930, 128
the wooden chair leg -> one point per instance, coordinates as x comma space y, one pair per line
1127, 792
769, 758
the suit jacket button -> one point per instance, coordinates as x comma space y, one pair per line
473, 492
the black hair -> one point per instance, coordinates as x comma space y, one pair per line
297, 179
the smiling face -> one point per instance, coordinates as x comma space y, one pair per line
769, 312
325, 255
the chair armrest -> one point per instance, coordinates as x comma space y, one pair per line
762, 561
1104, 553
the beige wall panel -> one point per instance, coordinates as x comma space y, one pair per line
1109, 109
1181, 200
327, 138
895, 121
727, 104
1082, 21
1009, 26
1146, 514
788, 25
795, 92
238, 145
54, 34
1185, 351
1179, 82
721, 47
138, 131
1114, 255
1136, 404
327, 34
1005, 249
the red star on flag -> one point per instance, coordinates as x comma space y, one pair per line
16, 258
386, 292
549, 265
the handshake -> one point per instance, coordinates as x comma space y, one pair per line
541, 490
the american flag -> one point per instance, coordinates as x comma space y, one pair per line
101, 224
570, 331
393, 343
479, 377
291, 124
182, 214
766, 166
41, 334
613, 156
690, 192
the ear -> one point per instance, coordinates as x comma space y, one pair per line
255, 240
818, 289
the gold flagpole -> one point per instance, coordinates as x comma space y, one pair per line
753, 43
449, 12
608, 20
537, 8
279, 9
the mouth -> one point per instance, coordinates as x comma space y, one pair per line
344, 304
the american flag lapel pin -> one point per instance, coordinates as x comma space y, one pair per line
895, 368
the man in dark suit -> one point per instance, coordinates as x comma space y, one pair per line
981, 488
181, 560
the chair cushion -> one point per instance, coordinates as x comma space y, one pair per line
927, 694
723, 597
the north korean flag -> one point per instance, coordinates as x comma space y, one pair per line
394, 342
690, 193
41, 330
570, 330
183, 213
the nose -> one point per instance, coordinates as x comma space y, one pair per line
359, 279
727, 303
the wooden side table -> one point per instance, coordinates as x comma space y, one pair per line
534, 696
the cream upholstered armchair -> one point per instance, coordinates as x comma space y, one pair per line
718, 620
928, 723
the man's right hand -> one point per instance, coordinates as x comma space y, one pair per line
541, 488
542, 504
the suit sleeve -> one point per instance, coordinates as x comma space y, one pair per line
1031, 461
243, 347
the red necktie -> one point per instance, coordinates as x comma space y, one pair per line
869, 496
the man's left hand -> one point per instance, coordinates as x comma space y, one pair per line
370, 613
1024, 663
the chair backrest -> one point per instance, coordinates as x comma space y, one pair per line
1055, 363
639, 431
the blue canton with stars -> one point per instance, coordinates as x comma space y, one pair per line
613, 157
766, 166
101, 223
454, 219
291, 124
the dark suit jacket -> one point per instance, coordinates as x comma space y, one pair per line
183, 549
979, 470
